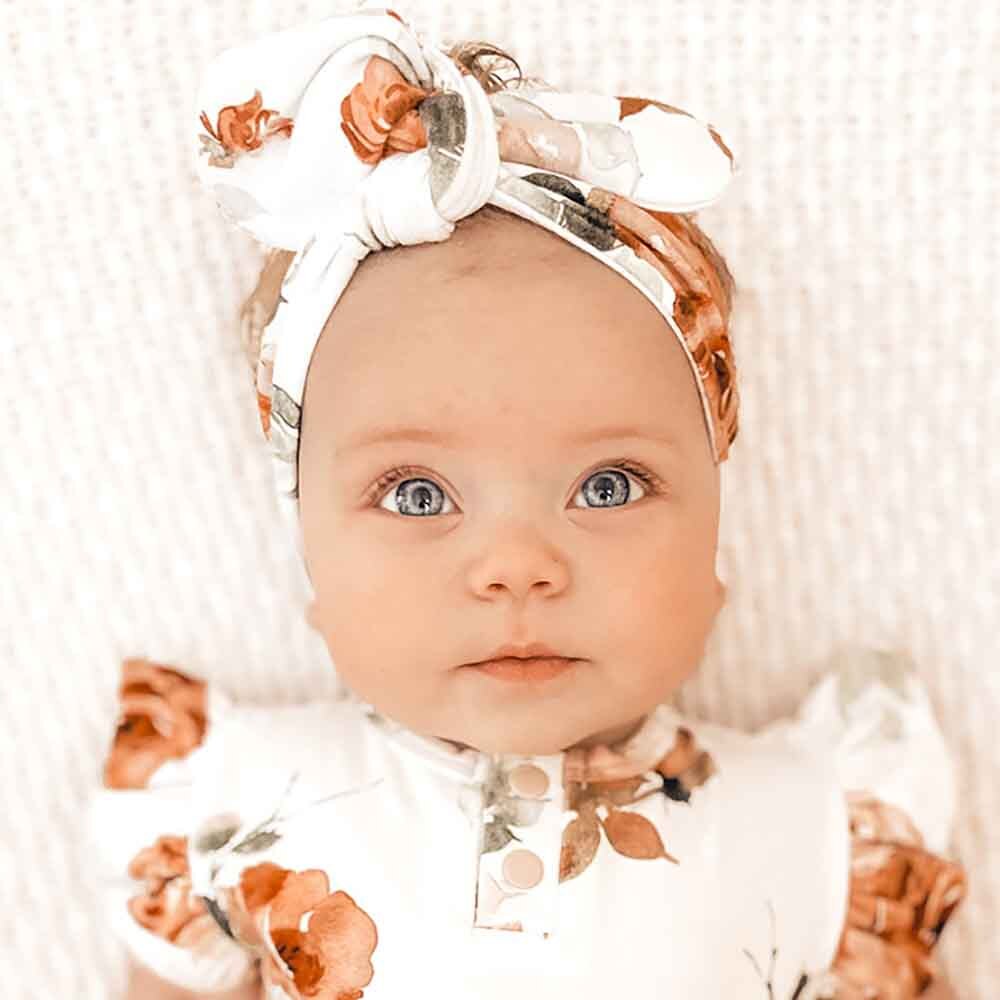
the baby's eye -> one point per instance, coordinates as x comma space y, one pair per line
416, 497
423, 497
611, 485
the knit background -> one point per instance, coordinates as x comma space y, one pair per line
861, 499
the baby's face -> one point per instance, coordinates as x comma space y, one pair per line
508, 376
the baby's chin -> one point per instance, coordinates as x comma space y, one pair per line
518, 717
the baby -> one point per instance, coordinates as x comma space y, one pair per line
501, 462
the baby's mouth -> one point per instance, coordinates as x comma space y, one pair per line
534, 668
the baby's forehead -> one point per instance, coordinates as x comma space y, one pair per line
491, 242
504, 324
496, 275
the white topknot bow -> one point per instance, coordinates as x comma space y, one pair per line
299, 177
295, 182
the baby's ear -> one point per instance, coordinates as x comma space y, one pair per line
722, 591
312, 616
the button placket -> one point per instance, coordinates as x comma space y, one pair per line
520, 842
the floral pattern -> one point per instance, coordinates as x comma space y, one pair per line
166, 906
329, 958
901, 898
379, 115
380, 118
241, 128
667, 242
602, 781
309, 942
312, 941
162, 717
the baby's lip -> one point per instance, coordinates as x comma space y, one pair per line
516, 668
524, 651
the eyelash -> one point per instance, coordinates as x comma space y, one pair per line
650, 480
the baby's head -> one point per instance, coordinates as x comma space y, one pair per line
503, 442
508, 430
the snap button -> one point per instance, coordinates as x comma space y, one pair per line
523, 869
528, 780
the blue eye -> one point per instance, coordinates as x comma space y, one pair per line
421, 496
416, 497
609, 485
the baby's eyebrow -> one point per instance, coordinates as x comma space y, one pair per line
451, 439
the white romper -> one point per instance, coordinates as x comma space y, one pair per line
321, 850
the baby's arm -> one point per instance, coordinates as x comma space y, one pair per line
140, 818
144, 984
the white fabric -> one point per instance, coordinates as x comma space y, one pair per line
763, 851
887, 738
860, 498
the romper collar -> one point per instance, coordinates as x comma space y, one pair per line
635, 755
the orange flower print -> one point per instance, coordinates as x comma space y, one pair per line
241, 128
901, 898
316, 944
162, 717
166, 907
603, 780
379, 115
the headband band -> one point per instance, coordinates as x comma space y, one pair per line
336, 139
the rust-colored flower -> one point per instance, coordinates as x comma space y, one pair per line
379, 114
163, 717
166, 906
901, 898
330, 958
240, 128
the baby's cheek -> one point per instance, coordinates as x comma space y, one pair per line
378, 624
665, 612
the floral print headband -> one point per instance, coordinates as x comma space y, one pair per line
336, 139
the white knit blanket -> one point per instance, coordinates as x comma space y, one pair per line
861, 501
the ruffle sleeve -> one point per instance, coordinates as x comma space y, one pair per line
139, 821
897, 775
